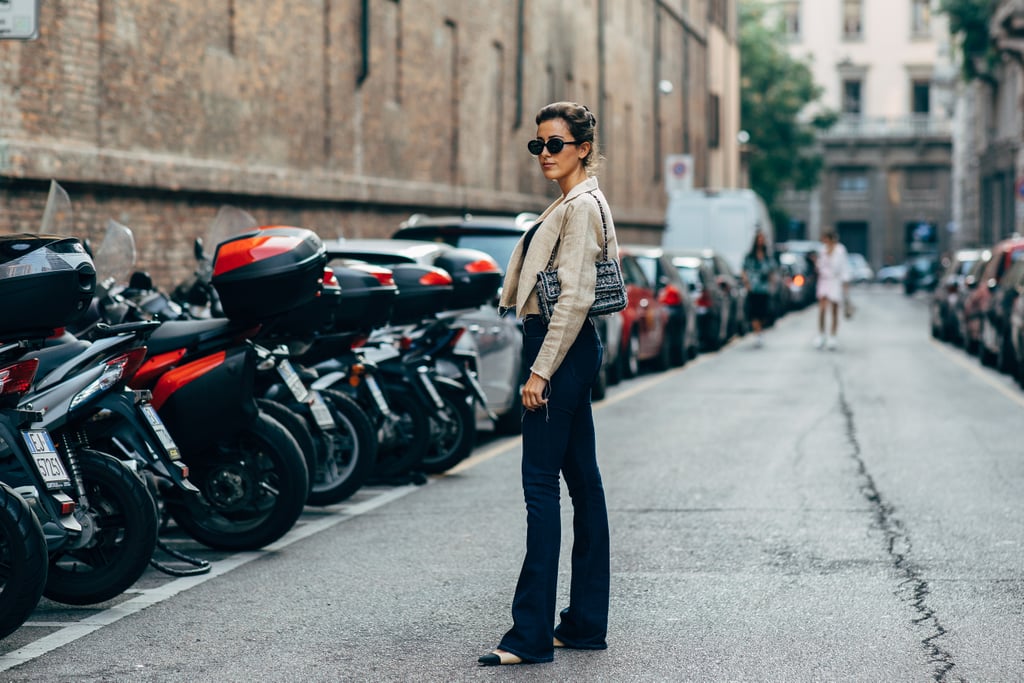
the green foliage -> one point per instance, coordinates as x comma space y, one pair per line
969, 19
775, 89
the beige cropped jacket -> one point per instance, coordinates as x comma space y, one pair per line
577, 220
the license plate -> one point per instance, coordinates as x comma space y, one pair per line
292, 381
378, 395
321, 413
161, 432
40, 446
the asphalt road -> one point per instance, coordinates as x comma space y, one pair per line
777, 514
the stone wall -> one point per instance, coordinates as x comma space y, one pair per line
344, 115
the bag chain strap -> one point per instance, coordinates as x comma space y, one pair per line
604, 229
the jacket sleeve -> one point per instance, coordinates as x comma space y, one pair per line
578, 254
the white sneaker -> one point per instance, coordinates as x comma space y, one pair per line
832, 344
819, 342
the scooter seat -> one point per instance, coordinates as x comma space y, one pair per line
188, 334
52, 357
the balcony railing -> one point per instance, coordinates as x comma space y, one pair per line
912, 125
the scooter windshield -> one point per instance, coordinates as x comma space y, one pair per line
230, 222
115, 258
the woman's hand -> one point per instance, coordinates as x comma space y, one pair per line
533, 392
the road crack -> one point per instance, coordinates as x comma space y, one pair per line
913, 586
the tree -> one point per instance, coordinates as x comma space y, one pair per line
969, 20
776, 91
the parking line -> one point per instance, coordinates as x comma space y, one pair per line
71, 632
981, 372
151, 596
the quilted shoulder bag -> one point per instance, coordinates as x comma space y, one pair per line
609, 290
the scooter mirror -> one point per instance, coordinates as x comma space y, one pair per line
197, 249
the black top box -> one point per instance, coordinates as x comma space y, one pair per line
476, 276
423, 292
266, 272
367, 297
46, 281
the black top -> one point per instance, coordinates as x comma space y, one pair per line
529, 238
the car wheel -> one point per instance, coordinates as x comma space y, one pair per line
663, 361
600, 387
679, 353
985, 355
630, 356
510, 422
1006, 362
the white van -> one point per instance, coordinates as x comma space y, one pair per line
722, 220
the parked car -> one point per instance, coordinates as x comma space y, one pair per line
891, 275
860, 270
1016, 334
968, 331
711, 303
682, 341
797, 279
922, 272
979, 301
996, 347
496, 340
732, 285
497, 236
644, 322
945, 298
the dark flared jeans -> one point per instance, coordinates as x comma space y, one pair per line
559, 438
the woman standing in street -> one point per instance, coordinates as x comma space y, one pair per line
758, 273
564, 357
833, 278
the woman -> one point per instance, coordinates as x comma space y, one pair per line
758, 274
833, 278
558, 428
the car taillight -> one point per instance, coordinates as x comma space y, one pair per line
435, 277
16, 379
704, 300
799, 280
484, 265
670, 296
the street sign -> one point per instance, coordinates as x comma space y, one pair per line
19, 19
678, 172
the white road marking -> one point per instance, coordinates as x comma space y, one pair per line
70, 632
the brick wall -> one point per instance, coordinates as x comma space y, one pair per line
156, 112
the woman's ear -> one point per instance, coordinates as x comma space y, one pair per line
582, 150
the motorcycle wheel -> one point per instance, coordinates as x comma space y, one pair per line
452, 440
345, 456
406, 447
122, 521
297, 427
23, 561
253, 487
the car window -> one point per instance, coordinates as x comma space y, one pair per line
632, 273
649, 266
498, 247
689, 274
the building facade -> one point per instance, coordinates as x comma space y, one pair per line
348, 115
885, 67
989, 189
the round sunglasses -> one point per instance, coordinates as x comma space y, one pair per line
554, 145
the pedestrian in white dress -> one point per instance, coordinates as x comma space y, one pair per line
833, 279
